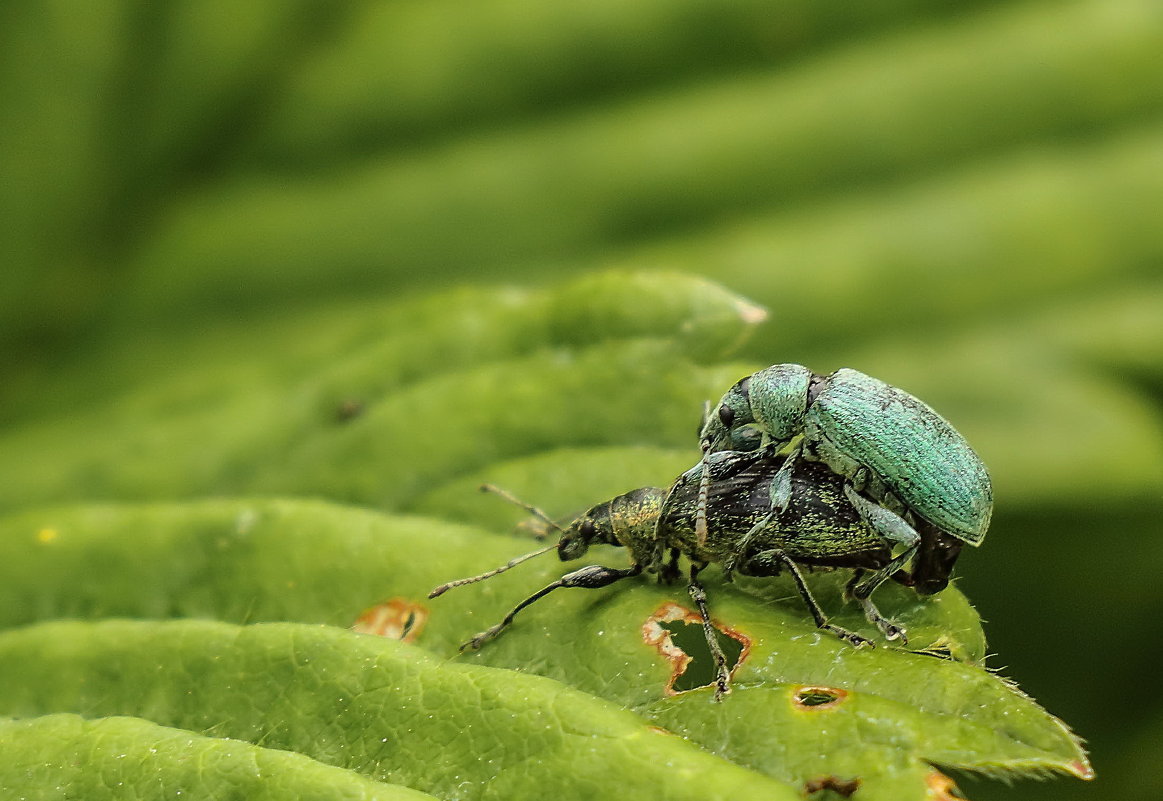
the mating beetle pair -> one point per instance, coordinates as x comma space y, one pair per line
875, 470
888, 444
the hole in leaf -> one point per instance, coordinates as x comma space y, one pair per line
700, 671
825, 787
396, 619
818, 697
677, 634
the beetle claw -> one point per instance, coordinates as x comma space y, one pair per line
480, 639
850, 637
892, 631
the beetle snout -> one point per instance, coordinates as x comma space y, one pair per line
577, 539
713, 435
571, 547
935, 560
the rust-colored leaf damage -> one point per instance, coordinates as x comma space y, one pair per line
396, 619
844, 787
816, 698
655, 634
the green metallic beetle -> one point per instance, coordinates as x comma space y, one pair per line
826, 524
889, 445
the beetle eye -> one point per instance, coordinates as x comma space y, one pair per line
586, 529
726, 415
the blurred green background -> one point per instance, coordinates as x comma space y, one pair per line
961, 199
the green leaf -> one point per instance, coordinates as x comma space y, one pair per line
363, 703
128, 758
482, 373
314, 562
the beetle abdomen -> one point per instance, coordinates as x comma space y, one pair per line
859, 420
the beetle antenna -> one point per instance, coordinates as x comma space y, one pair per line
513, 499
443, 588
704, 483
701, 503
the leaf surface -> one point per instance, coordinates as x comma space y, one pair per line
313, 562
369, 704
128, 758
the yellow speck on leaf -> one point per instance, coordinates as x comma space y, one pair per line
46, 535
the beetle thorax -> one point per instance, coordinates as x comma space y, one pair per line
779, 400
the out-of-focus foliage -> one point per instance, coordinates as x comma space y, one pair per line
212, 214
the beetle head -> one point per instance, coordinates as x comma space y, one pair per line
628, 520
588, 529
772, 402
934, 561
727, 428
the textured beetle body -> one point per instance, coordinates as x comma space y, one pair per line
820, 527
890, 445
825, 524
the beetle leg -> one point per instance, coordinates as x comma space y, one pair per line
659, 535
731, 563
781, 484
895, 529
668, 572
781, 489
589, 577
772, 561
890, 630
699, 596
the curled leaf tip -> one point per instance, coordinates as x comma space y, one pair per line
1081, 768
750, 313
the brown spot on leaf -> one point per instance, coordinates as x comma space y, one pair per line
817, 698
940, 787
844, 787
348, 410
397, 619
656, 634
